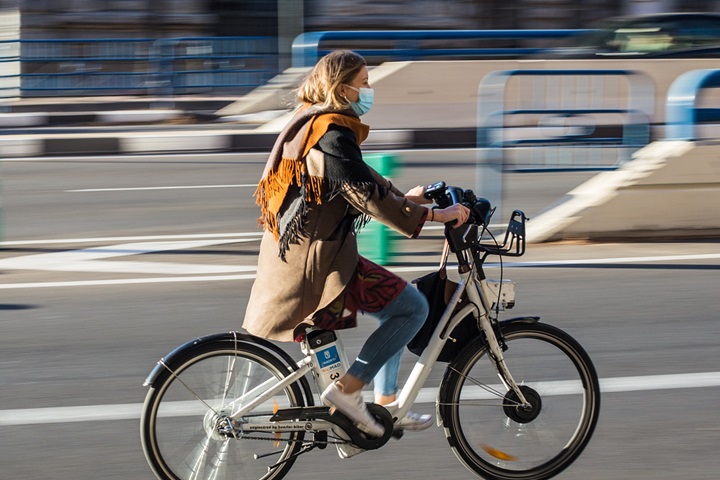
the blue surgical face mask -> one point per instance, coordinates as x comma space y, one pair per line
365, 100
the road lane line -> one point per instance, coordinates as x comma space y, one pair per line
19, 243
171, 187
251, 276
127, 281
601, 261
163, 157
132, 411
89, 259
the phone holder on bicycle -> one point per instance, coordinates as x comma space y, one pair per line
469, 235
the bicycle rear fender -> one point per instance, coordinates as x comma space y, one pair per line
221, 337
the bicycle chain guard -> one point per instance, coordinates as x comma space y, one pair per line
358, 437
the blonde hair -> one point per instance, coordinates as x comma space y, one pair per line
334, 69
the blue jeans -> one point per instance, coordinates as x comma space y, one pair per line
379, 358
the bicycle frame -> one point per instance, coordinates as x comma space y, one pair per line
477, 292
253, 391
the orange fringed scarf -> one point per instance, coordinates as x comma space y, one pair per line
286, 174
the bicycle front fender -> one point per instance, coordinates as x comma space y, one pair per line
235, 337
528, 319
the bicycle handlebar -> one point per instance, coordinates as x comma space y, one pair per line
481, 211
444, 196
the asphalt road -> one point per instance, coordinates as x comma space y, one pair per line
109, 263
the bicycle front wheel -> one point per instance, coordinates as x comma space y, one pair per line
492, 434
189, 402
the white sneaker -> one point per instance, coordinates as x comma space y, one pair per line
353, 406
414, 422
346, 450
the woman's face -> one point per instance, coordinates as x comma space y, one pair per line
361, 80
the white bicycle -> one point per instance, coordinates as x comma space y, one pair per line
519, 401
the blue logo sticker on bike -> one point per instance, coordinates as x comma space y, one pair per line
328, 357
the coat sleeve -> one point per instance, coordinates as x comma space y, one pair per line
383, 202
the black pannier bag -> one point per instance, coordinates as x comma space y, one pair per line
438, 289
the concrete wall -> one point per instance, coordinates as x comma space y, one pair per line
433, 94
670, 190
444, 94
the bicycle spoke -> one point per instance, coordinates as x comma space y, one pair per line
488, 388
197, 459
187, 411
190, 390
532, 441
229, 377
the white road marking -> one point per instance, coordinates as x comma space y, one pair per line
126, 281
91, 260
132, 411
146, 157
175, 187
68, 241
601, 261
86, 260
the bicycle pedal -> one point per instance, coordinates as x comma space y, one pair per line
398, 434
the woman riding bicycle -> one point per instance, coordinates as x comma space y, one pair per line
315, 192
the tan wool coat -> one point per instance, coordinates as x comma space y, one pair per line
286, 294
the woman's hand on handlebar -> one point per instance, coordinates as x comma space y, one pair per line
454, 213
417, 195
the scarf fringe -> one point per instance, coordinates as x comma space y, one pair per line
276, 194
293, 233
276, 183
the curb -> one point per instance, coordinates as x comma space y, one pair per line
49, 119
224, 138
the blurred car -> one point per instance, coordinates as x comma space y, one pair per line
662, 35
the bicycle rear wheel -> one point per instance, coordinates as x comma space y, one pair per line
194, 394
488, 431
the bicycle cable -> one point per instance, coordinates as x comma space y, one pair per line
502, 271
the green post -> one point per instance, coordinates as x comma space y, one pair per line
375, 239
1, 218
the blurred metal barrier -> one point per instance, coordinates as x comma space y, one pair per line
683, 113
9, 70
235, 65
559, 120
418, 44
84, 67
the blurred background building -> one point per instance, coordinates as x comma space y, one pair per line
182, 18
104, 47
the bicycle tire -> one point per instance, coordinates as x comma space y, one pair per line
497, 440
191, 395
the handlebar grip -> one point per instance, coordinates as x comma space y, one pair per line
456, 195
